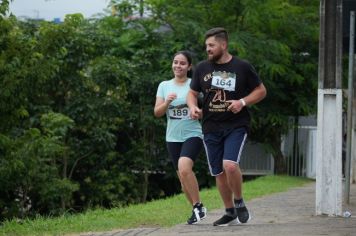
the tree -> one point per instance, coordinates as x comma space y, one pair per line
76, 99
268, 34
65, 70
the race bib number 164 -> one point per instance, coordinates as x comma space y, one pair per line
223, 83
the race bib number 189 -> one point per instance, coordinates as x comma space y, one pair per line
179, 113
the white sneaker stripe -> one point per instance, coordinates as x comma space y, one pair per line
196, 212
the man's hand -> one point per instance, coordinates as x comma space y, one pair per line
235, 106
195, 113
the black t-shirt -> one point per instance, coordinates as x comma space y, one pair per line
219, 83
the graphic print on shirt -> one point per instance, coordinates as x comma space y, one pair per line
221, 82
179, 112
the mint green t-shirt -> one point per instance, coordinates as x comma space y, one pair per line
180, 126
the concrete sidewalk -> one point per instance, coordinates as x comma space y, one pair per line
288, 213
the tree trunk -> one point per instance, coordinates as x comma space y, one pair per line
64, 176
145, 139
279, 160
145, 186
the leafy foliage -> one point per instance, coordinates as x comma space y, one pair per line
279, 37
76, 99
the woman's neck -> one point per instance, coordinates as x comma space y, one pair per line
180, 80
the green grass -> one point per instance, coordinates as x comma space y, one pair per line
156, 213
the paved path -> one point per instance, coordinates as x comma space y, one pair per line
283, 214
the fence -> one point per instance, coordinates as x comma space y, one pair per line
255, 160
299, 146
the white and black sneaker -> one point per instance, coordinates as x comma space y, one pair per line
198, 213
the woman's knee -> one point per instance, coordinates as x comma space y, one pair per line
185, 171
185, 166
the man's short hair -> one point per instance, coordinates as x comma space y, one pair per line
218, 32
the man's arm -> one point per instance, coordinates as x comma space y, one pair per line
192, 102
254, 97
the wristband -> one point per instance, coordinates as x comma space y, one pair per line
243, 102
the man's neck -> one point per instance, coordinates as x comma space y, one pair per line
226, 57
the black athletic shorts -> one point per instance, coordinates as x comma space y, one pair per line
190, 148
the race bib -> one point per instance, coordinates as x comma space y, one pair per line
223, 80
179, 112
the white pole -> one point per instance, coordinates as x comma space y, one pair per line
329, 131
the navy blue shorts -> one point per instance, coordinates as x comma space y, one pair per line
190, 148
222, 146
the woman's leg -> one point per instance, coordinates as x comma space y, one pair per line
188, 180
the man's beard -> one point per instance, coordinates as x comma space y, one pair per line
215, 58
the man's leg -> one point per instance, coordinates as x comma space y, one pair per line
233, 146
234, 178
214, 147
226, 195
224, 190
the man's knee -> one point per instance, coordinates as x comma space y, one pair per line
230, 167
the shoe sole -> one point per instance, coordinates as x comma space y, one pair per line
249, 218
233, 222
197, 221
